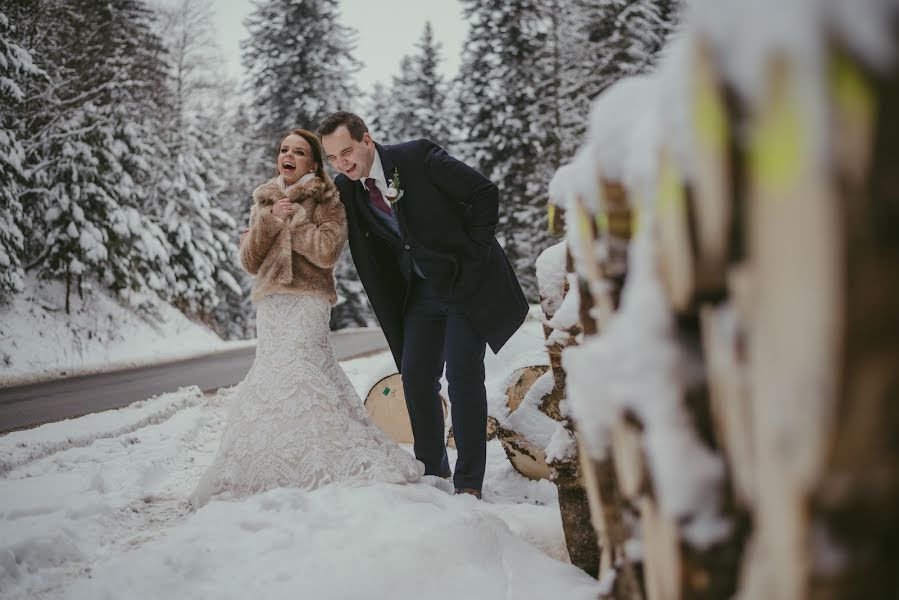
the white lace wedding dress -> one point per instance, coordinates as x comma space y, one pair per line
296, 420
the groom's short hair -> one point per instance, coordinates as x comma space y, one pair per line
353, 122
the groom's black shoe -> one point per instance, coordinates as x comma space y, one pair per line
471, 491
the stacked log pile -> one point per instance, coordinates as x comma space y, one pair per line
732, 223
537, 435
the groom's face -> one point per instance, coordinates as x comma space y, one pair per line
351, 157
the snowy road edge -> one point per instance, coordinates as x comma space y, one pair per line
114, 367
48, 376
16, 452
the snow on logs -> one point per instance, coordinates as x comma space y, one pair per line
537, 435
731, 224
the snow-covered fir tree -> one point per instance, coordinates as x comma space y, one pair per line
610, 39
16, 63
244, 166
205, 162
529, 73
379, 114
114, 117
416, 104
299, 64
84, 144
496, 99
598, 42
187, 28
84, 232
201, 234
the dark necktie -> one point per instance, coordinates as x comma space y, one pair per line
375, 197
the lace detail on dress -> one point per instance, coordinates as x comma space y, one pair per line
296, 420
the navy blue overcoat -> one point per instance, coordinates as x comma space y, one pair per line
447, 216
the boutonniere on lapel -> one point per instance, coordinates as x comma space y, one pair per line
395, 190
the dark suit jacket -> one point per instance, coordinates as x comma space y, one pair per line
447, 216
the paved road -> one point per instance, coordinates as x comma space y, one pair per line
34, 404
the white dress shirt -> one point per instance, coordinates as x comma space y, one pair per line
377, 172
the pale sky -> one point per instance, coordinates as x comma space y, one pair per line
388, 30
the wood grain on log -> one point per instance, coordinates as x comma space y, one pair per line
853, 505
590, 481
628, 457
616, 206
386, 404
589, 324
580, 537
713, 193
528, 458
796, 325
556, 218
522, 380
729, 396
676, 242
588, 234
661, 552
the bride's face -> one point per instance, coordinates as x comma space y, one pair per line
295, 158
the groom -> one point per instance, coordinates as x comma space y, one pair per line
421, 232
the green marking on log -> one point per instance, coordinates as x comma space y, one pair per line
778, 151
852, 91
386, 391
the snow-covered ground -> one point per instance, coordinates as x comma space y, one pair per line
95, 507
38, 341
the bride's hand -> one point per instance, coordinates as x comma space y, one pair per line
283, 208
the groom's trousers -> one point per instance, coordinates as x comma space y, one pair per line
437, 333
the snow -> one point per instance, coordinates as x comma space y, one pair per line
528, 420
38, 341
637, 365
524, 349
22, 447
623, 120
561, 446
865, 25
550, 267
568, 314
95, 507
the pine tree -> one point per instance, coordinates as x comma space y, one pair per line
85, 144
16, 63
624, 36
599, 42
418, 94
299, 64
530, 71
496, 99
196, 76
381, 111
243, 169
201, 234
194, 198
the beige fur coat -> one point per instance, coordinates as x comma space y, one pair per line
295, 255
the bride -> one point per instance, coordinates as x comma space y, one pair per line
296, 420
